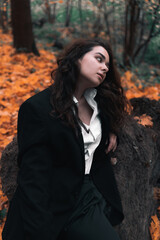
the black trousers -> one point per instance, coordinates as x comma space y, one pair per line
89, 220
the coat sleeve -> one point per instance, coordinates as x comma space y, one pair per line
35, 159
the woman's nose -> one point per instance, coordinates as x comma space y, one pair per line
105, 68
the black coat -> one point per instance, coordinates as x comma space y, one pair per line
52, 166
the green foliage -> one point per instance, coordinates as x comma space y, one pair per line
147, 74
75, 15
47, 33
37, 10
86, 15
35, 3
153, 52
3, 213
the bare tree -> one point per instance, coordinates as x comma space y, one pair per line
132, 13
22, 26
50, 11
80, 13
98, 22
68, 12
143, 43
106, 14
138, 30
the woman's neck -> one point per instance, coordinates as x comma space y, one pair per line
79, 94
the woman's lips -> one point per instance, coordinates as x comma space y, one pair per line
100, 75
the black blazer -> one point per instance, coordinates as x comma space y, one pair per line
52, 166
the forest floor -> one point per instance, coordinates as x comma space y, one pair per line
23, 75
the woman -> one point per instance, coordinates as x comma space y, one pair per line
66, 186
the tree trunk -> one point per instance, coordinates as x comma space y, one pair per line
142, 47
108, 32
131, 22
137, 170
54, 12
137, 38
80, 13
68, 12
23, 39
51, 12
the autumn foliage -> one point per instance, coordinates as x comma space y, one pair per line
155, 228
134, 88
23, 75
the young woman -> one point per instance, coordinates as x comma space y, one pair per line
66, 186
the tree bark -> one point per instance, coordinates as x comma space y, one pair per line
23, 39
51, 12
108, 32
143, 46
131, 21
137, 171
137, 36
68, 12
80, 13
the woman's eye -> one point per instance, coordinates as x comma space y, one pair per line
99, 59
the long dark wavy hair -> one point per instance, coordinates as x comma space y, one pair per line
110, 96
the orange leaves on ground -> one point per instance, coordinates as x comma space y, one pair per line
58, 1
21, 76
144, 120
134, 88
3, 200
155, 228
157, 194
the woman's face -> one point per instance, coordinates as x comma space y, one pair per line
93, 67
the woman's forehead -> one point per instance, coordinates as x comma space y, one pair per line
99, 50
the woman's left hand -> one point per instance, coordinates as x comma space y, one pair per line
112, 143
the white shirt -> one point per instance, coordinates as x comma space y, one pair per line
91, 139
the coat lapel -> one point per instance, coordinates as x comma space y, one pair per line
105, 128
78, 136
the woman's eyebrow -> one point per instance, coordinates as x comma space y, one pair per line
101, 55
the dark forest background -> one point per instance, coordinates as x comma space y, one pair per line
32, 32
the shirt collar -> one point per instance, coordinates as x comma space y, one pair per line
75, 100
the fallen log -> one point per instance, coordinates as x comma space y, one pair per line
137, 170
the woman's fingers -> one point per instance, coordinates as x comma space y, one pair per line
112, 143
115, 146
113, 161
112, 147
